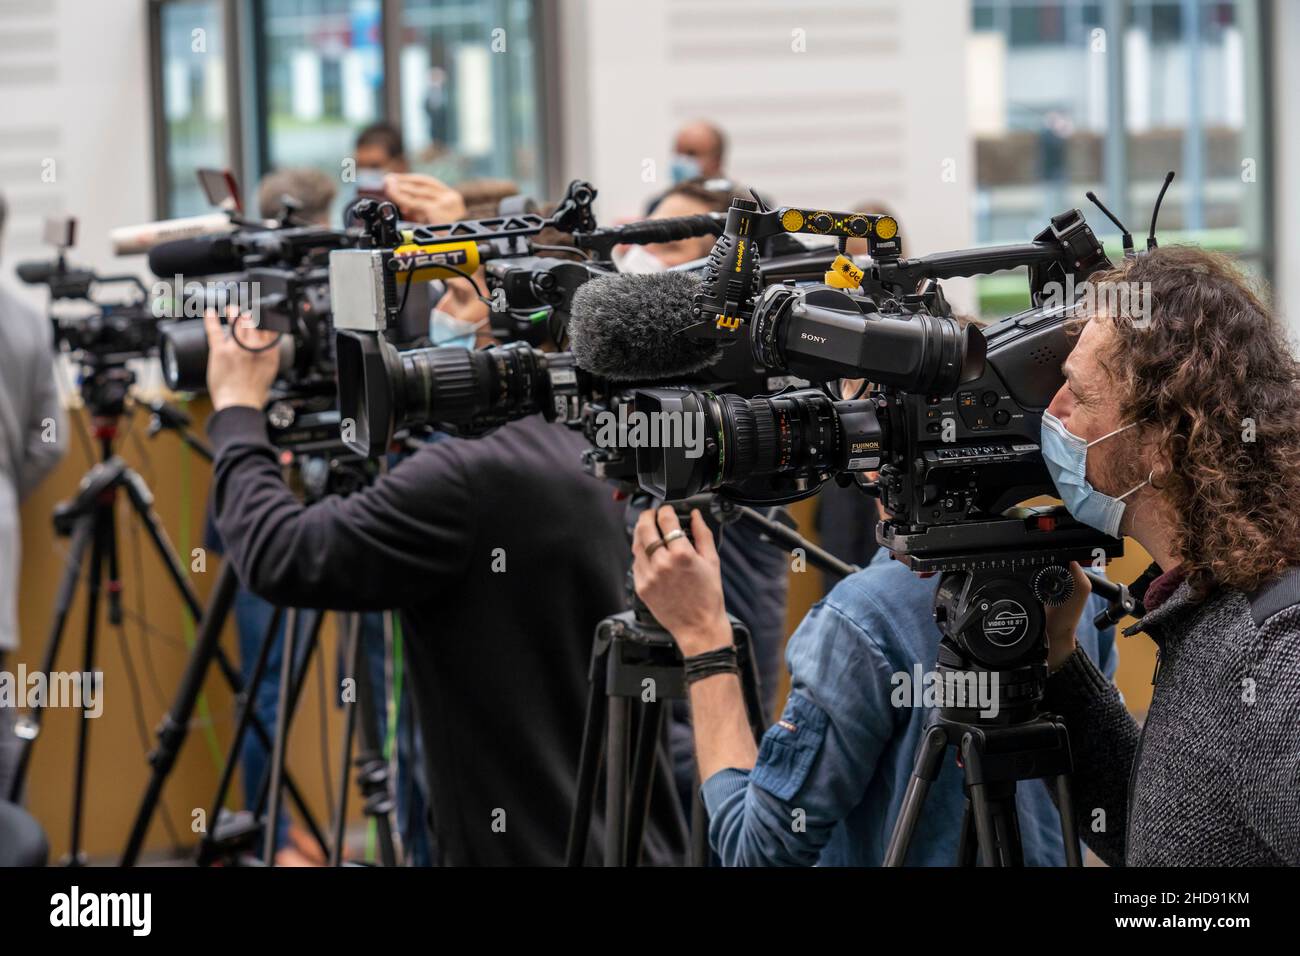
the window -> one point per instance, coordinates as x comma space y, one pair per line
192, 88
460, 80
469, 97
322, 66
1049, 127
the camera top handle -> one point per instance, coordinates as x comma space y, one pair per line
730, 285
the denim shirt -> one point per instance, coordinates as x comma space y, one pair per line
831, 774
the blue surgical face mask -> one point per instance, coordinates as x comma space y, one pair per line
1066, 455
446, 329
684, 168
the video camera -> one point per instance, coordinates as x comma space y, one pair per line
469, 392
104, 338
464, 391
952, 424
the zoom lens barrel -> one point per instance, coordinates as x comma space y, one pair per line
462, 391
796, 436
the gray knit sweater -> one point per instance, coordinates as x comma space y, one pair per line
1213, 777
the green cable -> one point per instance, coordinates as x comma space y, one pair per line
187, 623
394, 707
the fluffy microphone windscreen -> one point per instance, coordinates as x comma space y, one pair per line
625, 327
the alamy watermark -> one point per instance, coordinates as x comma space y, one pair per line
76, 690
662, 429
947, 688
1127, 300
178, 299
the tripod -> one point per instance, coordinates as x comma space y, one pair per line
633, 658
90, 521
229, 837
994, 628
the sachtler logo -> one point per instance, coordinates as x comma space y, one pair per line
75, 909
1006, 623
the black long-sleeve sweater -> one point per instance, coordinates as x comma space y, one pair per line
502, 556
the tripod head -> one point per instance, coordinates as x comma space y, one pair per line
990, 609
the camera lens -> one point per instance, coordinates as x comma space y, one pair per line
794, 435
183, 351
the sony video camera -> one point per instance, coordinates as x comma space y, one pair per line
952, 422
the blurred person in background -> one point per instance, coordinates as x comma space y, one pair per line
379, 147
699, 151
32, 423
306, 192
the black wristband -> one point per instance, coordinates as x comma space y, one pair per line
720, 661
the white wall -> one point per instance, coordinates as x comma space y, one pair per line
872, 108
74, 126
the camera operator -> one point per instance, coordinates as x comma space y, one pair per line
31, 443
478, 542
1179, 425
827, 784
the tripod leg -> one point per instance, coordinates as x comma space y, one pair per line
1006, 830
966, 848
281, 738
750, 688
372, 771
142, 501
103, 530
82, 536
247, 705
352, 654
980, 809
616, 748
300, 668
643, 774
175, 724
1069, 822
593, 726
141, 498
929, 755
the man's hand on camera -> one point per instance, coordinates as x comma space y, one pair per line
1063, 620
239, 372
680, 582
424, 199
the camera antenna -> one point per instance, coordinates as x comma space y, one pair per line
1126, 237
1151, 239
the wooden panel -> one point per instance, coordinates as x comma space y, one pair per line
139, 685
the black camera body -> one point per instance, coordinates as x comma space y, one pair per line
286, 277
953, 421
103, 339
531, 295
974, 450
